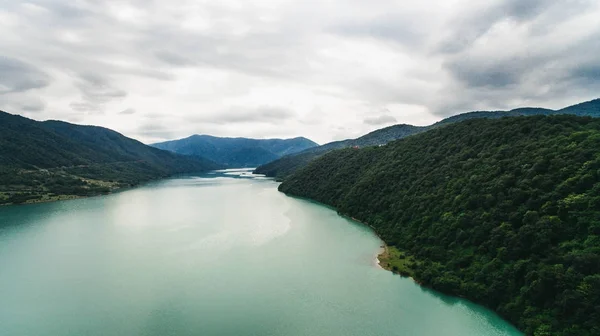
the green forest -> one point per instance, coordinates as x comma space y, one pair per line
504, 212
53, 160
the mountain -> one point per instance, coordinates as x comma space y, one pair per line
54, 159
524, 111
504, 212
590, 109
236, 152
288, 164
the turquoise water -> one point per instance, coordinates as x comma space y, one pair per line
217, 254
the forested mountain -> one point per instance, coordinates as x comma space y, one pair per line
42, 160
504, 212
525, 111
289, 164
236, 152
589, 109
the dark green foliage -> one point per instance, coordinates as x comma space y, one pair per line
42, 158
504, 212
526, 111
289, 164
236, 152
588, 109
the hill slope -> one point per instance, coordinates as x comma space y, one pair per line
504, 212
589, 109
236, 152
289, 164
46, 160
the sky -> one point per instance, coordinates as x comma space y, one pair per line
326, 70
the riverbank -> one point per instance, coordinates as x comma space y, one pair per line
391, 258
54, 198
396, 261
24, 198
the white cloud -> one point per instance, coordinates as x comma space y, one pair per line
290, 68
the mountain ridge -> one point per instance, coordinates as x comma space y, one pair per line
49, 160
287, 165
236, 151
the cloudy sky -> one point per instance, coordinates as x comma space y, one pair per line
328, 69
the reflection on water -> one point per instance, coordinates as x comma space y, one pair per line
222, 253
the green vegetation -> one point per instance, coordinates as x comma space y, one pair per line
236, 152
504, 212
289, 164
45, 161
394, 260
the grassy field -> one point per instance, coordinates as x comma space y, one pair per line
397, 261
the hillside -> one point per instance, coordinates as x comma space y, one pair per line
289, 164
525, 111
53, 159
589, 109
236, 152
504, 212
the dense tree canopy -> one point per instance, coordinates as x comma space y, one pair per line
42, 160
504, 212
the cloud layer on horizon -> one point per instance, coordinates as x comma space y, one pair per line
154, 71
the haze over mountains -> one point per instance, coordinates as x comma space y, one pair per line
236, 152
45, 160
291, 163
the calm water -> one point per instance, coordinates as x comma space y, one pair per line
210, 255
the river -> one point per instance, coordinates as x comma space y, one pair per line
218, 254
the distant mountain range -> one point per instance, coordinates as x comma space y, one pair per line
54, 159
287, 165
42, 161
236, 152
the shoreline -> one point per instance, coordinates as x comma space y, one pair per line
392, 260
54, 199
61, 198
388, 258
113, 190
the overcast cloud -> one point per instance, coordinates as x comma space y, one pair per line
156, 70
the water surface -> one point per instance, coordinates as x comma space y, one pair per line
217, 254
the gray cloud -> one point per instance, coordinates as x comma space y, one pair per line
173, 59
96, 91
33, 106
155, 130
469, 27
180, 66
128, 111
380, 120
400, 28
18, 76
243, 115
510, 54
497, 74
66, 11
